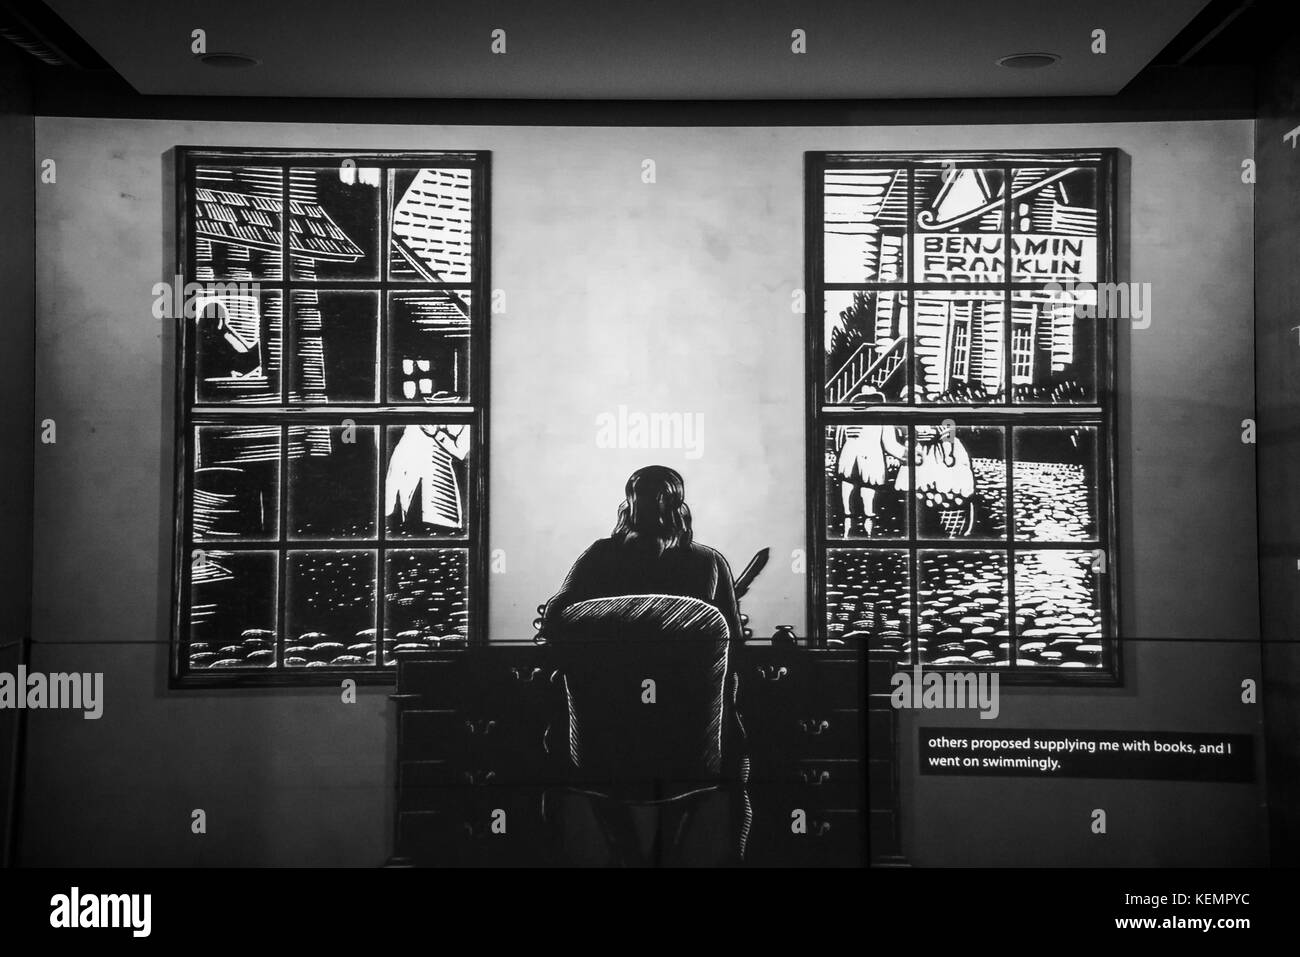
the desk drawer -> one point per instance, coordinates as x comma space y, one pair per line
831, 839
770, 689
837, 684
830, 783
444, 776
436, 682
430, 735
462, 680
471, 826
824, 733
506, 744
816, 782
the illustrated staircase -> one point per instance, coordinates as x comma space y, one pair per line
861, 371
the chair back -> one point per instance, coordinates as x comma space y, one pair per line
644, 679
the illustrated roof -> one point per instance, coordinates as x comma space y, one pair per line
244, 219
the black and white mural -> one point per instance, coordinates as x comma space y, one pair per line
965, 407
332, 519
333, 408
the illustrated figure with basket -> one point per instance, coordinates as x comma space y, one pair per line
944, 484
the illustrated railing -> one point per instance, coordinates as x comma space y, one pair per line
860, 370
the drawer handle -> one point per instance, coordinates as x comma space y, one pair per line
480, 727
813, 726
772, 672
530, 675
478, 777
821, 828
406, 696
815, 778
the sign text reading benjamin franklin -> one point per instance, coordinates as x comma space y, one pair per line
981, 258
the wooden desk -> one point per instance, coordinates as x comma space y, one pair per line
473, 766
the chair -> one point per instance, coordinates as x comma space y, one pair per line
652, 731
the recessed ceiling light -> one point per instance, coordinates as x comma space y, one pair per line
1028, 61
229, 61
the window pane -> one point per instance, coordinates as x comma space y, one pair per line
428, 346
237, 222
862, 465
959, 346
1054, 346
1054, 483
335, 346
1058, 616
959, 231
426, 480
430, 225
868, 598
864, 231
237, 347
961, 482
865, 347
333, 478
236, 482
1054, 224
334, 223
331, 609
426, 600
962, 602
232, 609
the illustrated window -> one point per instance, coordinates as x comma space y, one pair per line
332, 414
961, 430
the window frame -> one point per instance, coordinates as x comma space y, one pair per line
382, 414
959, 355
1006, 413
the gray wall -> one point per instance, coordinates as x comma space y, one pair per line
1277, 301
17, 213
666, 297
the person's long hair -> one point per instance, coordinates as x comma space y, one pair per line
654, 512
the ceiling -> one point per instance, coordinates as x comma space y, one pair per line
620, 49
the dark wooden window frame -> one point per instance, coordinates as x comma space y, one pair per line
1006, 413
382, 413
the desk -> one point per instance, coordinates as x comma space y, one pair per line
473, 761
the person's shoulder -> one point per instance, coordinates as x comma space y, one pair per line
708, 554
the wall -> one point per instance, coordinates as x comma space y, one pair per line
17, 209
1277, 298
673, 296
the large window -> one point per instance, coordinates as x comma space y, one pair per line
960, 409
331, 504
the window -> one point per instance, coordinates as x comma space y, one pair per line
961, 424
331, 476
1022, 352
960, 348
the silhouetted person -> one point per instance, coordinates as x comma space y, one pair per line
651, 552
